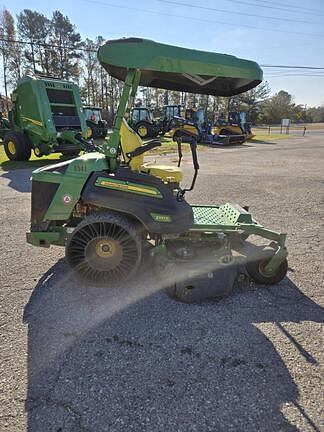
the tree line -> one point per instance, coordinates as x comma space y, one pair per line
34, 43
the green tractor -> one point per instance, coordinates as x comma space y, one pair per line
111, 210
46, 117
4, 125
95, 122
141, 119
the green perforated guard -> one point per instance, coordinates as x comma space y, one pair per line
231, 217
227, 214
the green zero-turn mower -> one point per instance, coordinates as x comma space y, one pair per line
112, 211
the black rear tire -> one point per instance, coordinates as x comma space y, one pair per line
143, 129
17, 146
105, 249
255, 270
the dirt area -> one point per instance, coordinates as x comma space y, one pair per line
76, 358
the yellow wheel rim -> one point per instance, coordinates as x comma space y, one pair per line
11, 147
142, 131
106, 248
89, 132
37, 151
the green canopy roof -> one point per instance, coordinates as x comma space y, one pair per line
182, 69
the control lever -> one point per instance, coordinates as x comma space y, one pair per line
193, 148
191, 139
179, 151
144, 148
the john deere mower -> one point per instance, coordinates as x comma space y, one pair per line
95, 122
46, 117
112, 210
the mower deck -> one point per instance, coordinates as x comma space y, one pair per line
231, 217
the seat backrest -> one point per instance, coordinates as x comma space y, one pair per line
130, 141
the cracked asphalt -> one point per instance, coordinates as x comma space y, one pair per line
76, 358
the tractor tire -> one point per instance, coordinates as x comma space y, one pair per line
176, 135
225, 132
94, 131
105, 249
17, 146
143, 129
255, 269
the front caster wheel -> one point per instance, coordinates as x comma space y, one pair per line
256, 270
105, 249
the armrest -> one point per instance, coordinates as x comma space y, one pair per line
185, 135
144, 148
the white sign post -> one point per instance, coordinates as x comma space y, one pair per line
285, 123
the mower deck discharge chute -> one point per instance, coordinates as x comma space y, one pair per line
111, 209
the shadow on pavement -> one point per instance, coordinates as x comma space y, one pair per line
19, 180
31, 164
256, 141
133, 359
19, 173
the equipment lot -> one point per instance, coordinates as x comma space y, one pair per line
77, 359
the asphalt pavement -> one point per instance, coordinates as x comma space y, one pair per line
82, 359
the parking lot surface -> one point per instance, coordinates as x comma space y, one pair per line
77, 358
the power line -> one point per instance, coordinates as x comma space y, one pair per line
131, 8
295, 75
292, 67
289, 6
287, 73
292, 8
207, 8
47, 45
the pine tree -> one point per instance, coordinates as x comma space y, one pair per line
64, 61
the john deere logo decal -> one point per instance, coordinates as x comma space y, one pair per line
67, 199
160, 217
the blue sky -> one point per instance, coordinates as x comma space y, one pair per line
294, 36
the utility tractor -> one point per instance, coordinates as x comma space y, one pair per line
141, 119
95, 122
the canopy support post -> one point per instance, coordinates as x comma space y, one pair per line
129, 89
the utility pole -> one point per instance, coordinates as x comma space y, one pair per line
5, 73
33, 56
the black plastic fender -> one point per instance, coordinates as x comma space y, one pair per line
159, 215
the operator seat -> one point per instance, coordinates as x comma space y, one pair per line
130, 141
